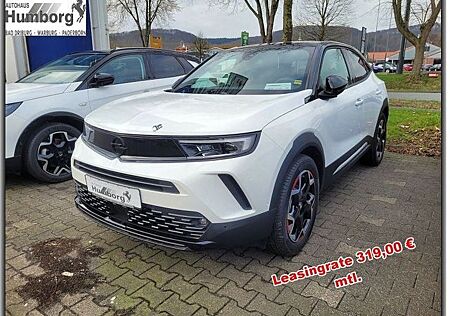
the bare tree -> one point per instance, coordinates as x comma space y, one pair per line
263, 11
201, 45
426, 12
320, 16
142, 12
287, 21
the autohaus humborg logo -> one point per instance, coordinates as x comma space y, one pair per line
33, 18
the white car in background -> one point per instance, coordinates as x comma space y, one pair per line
45, 110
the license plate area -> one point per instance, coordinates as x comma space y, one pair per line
116, 193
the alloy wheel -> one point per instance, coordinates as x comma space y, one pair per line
54, 153
381, 138
301, 205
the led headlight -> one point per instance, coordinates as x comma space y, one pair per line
11, 107
219, 147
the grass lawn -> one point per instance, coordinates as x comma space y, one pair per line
414, 131
402, 82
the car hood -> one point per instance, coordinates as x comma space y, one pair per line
19, 92
193, 114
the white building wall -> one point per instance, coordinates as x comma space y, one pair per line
99, 24
16, 58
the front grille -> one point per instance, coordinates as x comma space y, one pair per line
127, 180
150, 220
116, 144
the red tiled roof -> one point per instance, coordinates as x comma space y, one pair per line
379, 55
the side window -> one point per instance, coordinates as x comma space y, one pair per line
127, 68
186, 65
165, 66
358, 66
333, 63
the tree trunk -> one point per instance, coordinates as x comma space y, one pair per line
269, 33
262, 31
418, 59
270, 23
322, 29
287, 21
141, 33
148, 33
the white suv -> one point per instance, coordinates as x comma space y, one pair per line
235, 153
45, 110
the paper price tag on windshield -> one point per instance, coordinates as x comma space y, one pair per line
278, 86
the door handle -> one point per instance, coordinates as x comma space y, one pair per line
359, 102
378, 92
83, 104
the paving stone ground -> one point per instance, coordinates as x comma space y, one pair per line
367, 207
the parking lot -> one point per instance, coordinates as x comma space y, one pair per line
61, 263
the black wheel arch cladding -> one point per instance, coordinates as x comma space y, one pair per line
309, 145
54, 117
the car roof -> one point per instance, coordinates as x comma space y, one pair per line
137, 49
295, 43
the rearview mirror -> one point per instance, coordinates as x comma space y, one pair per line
100, 80
334, 85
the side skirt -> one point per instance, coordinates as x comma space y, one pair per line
345, 162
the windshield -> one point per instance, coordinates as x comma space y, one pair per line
64, 70
268, 70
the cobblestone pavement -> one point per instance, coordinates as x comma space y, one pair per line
366, 207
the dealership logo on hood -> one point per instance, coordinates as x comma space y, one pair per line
46, 18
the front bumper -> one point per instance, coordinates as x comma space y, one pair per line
14, 127
174, 228
232, 195
200, 185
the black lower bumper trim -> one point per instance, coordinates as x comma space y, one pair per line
249, 231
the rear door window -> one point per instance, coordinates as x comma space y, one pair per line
165, 66
186, 65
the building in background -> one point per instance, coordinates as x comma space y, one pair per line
182, 48
432, 55
25, 54
379, 57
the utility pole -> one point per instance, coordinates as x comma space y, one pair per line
376, 28
388, 35
401, 57
362, 47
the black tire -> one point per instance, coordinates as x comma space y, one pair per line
375, 153
282, 240
54, 142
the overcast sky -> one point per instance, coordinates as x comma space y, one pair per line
197, 16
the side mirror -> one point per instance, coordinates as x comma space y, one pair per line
100, 80
334, 85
